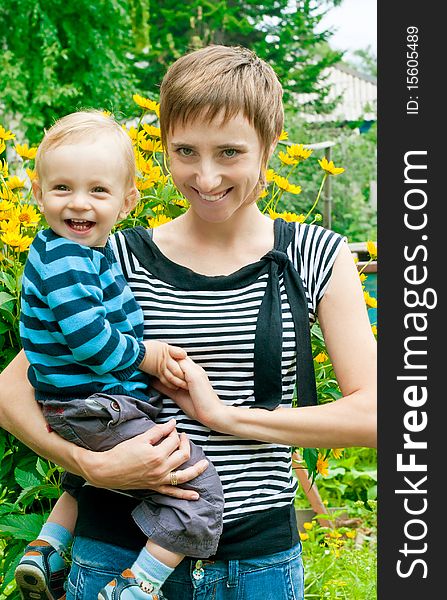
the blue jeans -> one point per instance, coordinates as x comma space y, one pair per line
277, 576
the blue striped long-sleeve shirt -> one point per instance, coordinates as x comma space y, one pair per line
80, 325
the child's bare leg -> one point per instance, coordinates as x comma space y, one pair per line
65, 512
154, 565
59, 527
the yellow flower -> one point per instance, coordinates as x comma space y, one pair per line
6, 135
374, 329
362, 277
263, 194
322, 465
151, 130
299, 152
15, 183
7, 194
17, 241
337, 452
28, 215
132, 132
146, 103
5, 205
25, 152
308, 526
158, 220
370, 301
32, 174
286, 216
149, 145
2, 146
107, 113
281, 182
329, 167
351, 533
286, 159
10, 225
3, 168
304, 536
321, 358
294, 189
372, 249
270, 175
284, 136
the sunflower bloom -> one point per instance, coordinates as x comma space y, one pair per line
3, 168
372, 249
270, 175
25, 152
284, 136
149, 145
17, 241
2, 146
362, 277
15, 183
322, 465
151, 130
32, 174
308, 525
286, 216
321, 358
5, 205
10, 225
294, 189
329, 167
158, 220
263, 194
132, 132
6, 134
281, 182
299, 152
374, 329
146, 103
303, 536
337, 452
28, 215
370, 300
286, 158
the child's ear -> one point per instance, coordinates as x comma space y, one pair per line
37, 192
130, 201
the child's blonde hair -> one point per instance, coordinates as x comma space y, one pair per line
87, 124
223, 80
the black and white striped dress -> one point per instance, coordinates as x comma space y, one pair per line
214, 320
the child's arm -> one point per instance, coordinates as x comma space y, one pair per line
161, 360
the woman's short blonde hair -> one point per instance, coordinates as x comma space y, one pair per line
87, 124
223, 80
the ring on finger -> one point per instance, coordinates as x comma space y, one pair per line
173, 478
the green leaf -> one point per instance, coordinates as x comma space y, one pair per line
6, 301
26, 479
22, 527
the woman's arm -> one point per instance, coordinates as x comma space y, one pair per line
349, 421
136, 463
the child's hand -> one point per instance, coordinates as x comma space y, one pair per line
200, 402
161, 360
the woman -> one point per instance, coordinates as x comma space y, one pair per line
237, 291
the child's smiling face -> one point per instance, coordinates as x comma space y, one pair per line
83, 190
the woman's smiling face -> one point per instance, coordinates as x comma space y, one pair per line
216, 166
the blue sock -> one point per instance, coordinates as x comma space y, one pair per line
150, 570
56, 535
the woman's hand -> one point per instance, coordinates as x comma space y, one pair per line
142, 462
200, 402
145, 462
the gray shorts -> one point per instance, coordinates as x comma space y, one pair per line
100, 422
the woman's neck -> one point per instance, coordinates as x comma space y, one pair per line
216, 248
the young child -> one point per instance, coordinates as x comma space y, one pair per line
82, 332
